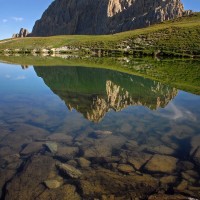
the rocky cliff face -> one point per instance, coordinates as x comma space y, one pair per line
104, 16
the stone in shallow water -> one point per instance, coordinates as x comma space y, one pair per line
160, 163
82, 162
65, 192
6, 150
195, 143
131, 145
97, 151
125, 168
100, 132
182, 186
68, 170
52, 147
186, 165
72, 163
103, 181
52, 184
28, 184
66, 152
167, 197
31, 148
5, 175
168, 179
60, 137
138, 159
101, 147
197, 156
161, 149
188, 177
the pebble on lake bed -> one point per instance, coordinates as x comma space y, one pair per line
68, 170
52, 184
52, 147
162, 164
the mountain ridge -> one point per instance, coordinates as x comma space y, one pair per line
89, 17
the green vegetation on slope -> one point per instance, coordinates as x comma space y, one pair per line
179, 36
183, 74
82, 85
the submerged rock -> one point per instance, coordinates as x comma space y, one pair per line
138, 159
67, 152
168, 179
100, 132
183, 185
52, 184
65, 192
167, 197
103, 181
82, 162
60, 137
68, 170
162, 164
197, 156
27, 184
52, 147
125, 168
31, 148
195, 143
161, 149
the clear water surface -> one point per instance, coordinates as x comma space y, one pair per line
129, 136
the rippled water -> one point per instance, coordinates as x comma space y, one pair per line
130, 137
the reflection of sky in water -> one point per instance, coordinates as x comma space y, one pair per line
24, 95
14, 79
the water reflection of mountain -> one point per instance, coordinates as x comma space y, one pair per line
93, 92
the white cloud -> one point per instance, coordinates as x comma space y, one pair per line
4, 20
18, 19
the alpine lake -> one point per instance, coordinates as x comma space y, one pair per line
99, 128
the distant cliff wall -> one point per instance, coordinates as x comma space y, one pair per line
104, 16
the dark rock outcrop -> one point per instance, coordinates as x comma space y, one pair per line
104, 16
22, 33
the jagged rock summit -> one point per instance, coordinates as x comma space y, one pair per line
22, 33
104, 16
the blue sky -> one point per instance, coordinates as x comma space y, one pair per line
16, 14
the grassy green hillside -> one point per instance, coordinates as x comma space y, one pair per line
179, 36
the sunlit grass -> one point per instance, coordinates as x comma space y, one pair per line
181, 34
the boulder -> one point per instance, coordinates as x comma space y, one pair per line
68, 170
82, 162
138, 159
52, 184
65, 192
52, 147
31, 148
67, 152
161, 164
124, 168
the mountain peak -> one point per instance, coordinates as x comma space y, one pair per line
104, 16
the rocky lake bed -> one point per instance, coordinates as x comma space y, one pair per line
65, 135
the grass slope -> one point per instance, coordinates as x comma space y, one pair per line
181, 35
